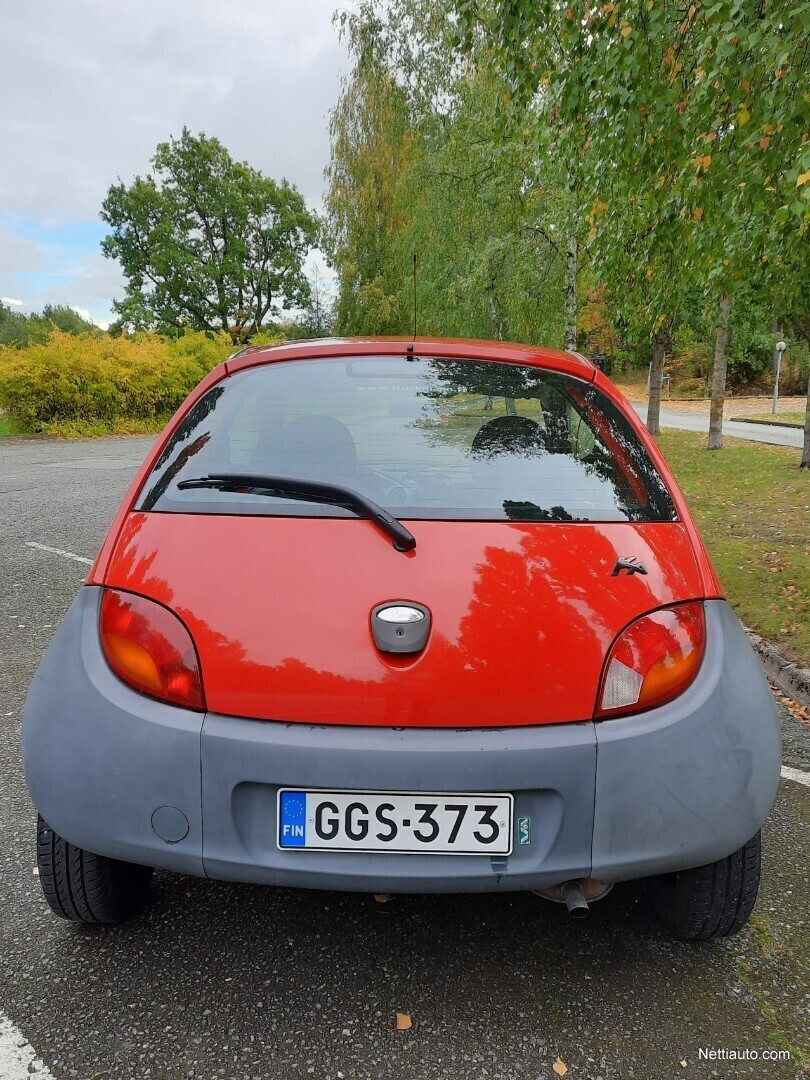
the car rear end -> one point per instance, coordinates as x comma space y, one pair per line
580, 701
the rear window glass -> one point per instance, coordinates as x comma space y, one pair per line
424, 438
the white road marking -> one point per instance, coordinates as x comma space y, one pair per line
64, 554
797, 775
18, 1058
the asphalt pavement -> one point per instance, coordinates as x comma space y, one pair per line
689, 421
221, 981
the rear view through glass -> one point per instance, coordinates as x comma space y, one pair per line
424, 438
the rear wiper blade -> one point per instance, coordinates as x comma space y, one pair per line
292, 487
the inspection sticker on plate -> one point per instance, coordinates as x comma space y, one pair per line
439, 824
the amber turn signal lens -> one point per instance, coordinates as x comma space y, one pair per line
150, 649
653, 660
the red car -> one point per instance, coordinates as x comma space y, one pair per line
404, 616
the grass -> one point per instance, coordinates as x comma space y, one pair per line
793, 418
86, 429
8, 426
752, 505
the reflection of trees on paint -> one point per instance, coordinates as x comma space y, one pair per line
537, 626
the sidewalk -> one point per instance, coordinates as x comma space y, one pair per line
739, 406
694, 420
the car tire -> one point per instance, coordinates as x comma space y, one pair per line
84, 887
712, 901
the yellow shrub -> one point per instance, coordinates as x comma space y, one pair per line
85, 383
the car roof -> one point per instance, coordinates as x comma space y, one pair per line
506, 352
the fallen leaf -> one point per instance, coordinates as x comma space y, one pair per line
382, 897
559, 1067
404, 1021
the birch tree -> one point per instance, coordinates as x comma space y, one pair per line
698, 115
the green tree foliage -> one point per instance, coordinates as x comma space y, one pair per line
206, 242
414, 170
372, 148
22, 330
654, 152
691, 124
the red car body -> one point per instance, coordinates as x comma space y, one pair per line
571, 702
287, 667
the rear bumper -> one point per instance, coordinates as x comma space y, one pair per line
678, 786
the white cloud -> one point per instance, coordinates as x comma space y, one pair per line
102, 324
10, 302
91, 89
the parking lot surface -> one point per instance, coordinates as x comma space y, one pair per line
230, 981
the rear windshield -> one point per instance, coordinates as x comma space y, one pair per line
424, 438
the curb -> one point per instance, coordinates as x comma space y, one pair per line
791, 679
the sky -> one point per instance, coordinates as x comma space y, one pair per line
88, 88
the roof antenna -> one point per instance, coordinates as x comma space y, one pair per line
414, 296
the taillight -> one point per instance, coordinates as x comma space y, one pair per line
150, 649
653, 660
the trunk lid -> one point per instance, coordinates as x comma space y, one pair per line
523, 615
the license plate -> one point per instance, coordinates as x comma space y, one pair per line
446, 824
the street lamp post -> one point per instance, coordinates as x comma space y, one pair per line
780, 348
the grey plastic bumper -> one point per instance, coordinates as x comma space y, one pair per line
678, 786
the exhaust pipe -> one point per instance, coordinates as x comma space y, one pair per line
577, 895
574, 899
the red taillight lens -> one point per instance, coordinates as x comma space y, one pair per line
149, 649
653, 660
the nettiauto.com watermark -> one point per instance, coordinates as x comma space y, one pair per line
722, 1053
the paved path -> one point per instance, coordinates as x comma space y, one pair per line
689, 421
231, 982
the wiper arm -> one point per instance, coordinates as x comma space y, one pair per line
291, 487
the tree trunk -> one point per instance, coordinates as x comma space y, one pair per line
806, 451
571, 294
659, 348
719, 376
497, 322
